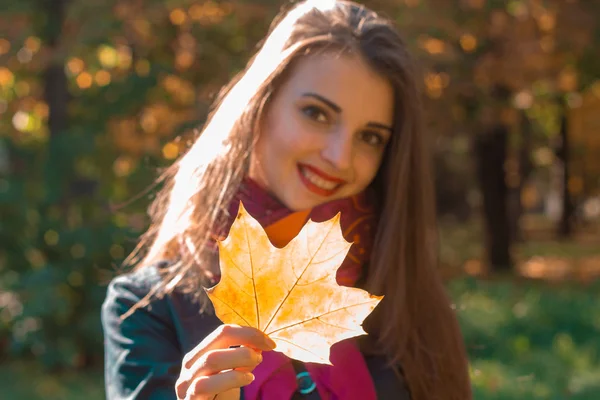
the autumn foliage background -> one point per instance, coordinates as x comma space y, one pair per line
97, 96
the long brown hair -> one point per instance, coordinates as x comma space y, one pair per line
415, 324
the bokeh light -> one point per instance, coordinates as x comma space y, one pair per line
84, 80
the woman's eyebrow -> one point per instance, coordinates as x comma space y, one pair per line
338, 110
380, 126
330, 103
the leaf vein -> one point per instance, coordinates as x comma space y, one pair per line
297, 279
300, 347
344, 308
232, 309
253, 280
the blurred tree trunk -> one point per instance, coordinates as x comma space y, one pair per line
565, 225
57, 96
491, 148
515, 209
56, 91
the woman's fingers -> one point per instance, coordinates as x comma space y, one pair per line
206, 387
243, 359
221, 362
226, 336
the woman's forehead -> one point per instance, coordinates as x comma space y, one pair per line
347, 80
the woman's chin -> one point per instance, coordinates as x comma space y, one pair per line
297, 203
300, 198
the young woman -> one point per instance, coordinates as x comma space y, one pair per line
325, 118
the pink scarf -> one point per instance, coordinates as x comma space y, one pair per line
349, 377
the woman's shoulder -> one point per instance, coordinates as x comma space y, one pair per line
131, 290
140, 289
130, 299
140, 280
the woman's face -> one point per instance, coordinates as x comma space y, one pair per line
325, 131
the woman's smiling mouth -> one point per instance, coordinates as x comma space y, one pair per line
317, 181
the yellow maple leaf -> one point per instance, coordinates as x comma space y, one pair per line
291, 294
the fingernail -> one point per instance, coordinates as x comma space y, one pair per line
250, 377
259, 357
270, 343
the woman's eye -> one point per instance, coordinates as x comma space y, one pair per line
315, 113
373, 139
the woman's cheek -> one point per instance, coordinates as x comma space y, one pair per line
367, 167
301, 140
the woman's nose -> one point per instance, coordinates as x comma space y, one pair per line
339, 149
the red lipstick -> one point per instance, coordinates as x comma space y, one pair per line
321, 173
317, 189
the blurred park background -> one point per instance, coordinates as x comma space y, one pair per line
97, 96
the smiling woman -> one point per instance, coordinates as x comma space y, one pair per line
325, 119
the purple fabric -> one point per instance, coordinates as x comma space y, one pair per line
349, 377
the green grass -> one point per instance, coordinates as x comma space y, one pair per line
527, 340
26, 381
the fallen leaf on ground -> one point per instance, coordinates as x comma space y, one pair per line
291, 294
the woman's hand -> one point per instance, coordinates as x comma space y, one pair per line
215, 369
